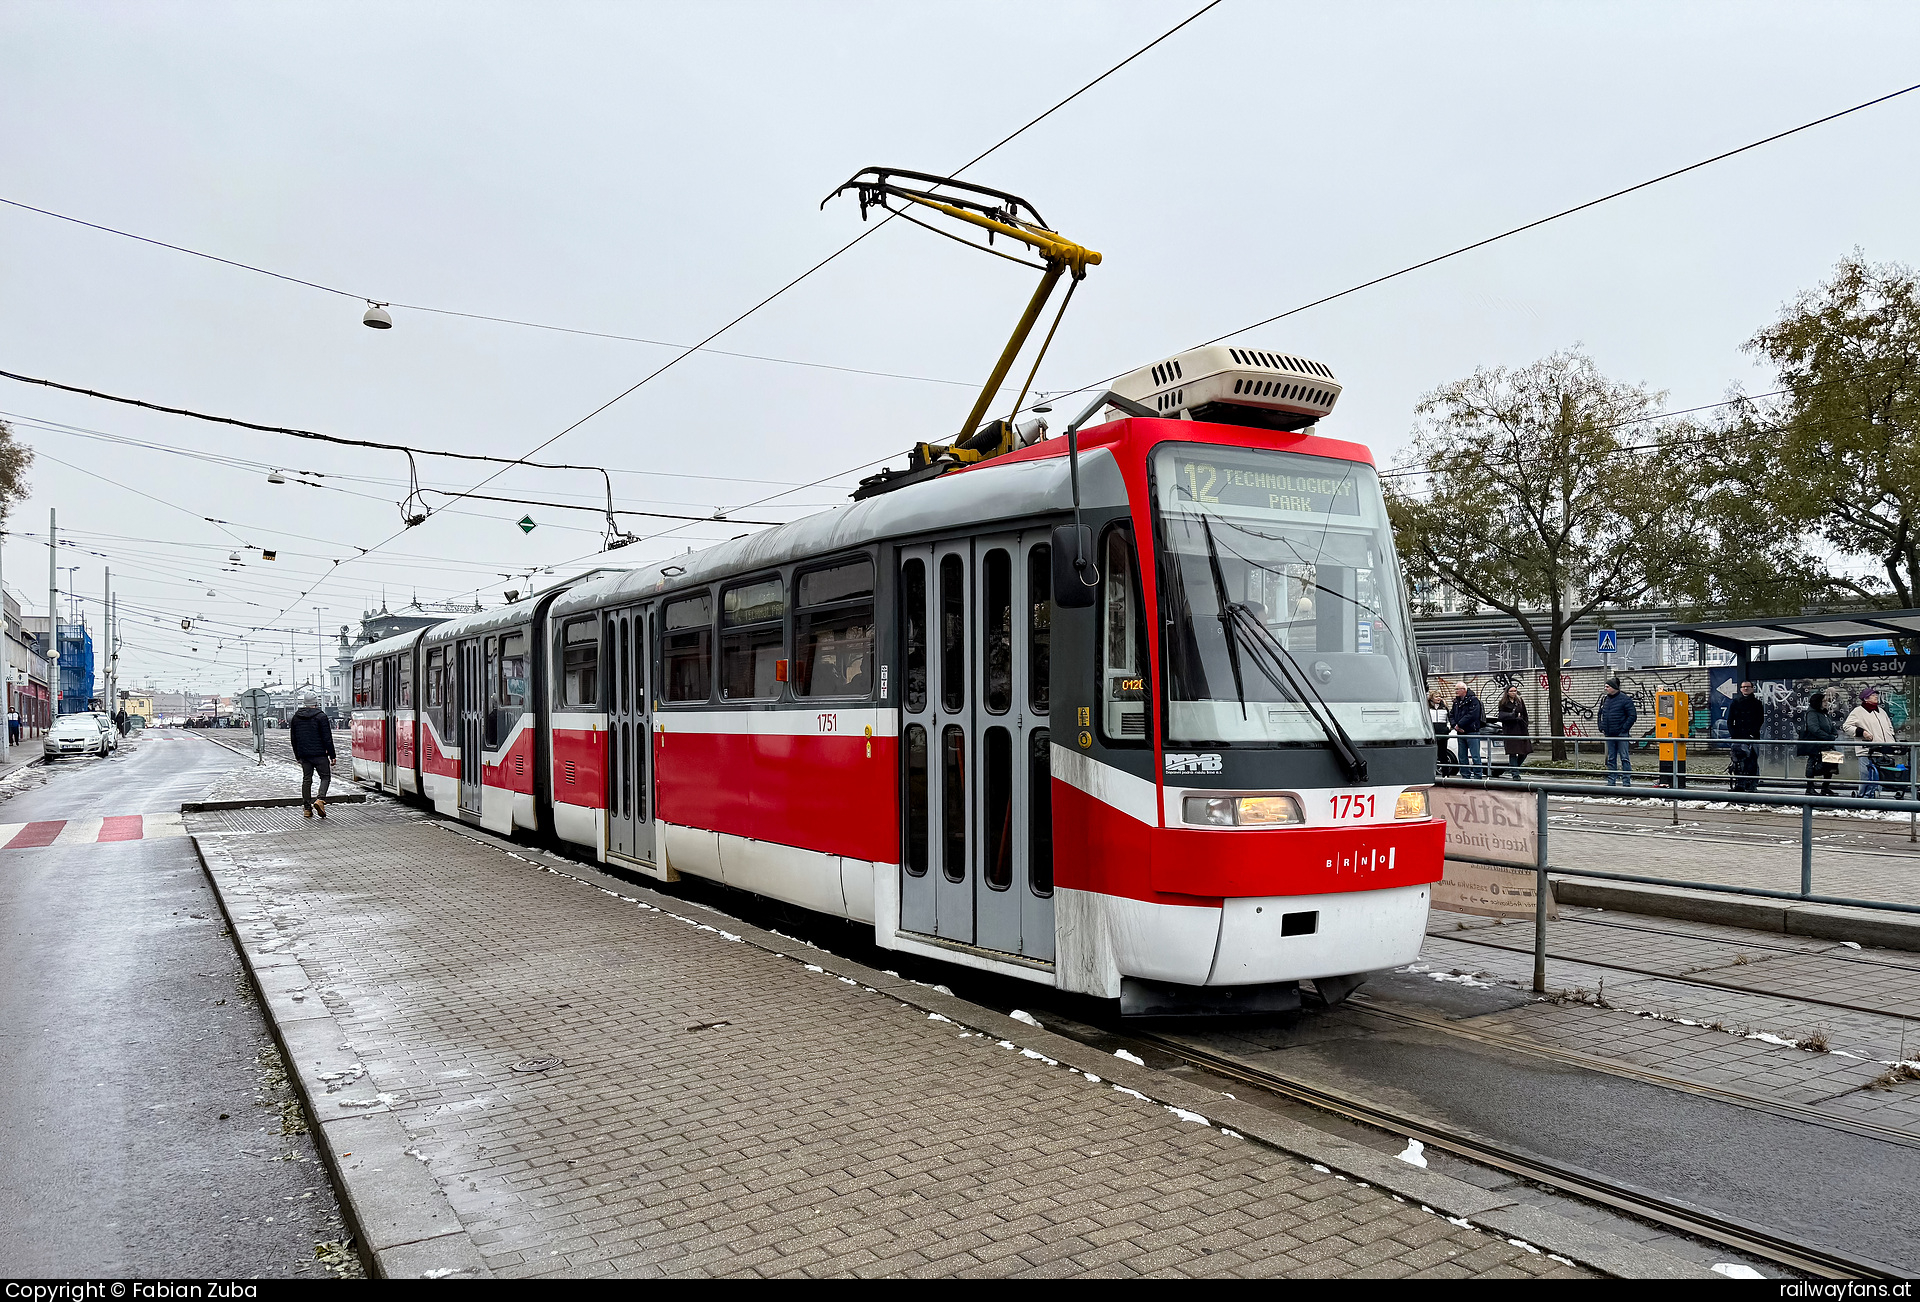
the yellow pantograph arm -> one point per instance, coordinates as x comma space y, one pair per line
1051, 246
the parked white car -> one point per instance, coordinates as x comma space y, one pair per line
77, 734
109, 727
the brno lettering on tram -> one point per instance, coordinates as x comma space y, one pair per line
1190, 787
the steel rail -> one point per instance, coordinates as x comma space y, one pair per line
1685, 1218
1471, 938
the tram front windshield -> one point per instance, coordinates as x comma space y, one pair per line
1303, 546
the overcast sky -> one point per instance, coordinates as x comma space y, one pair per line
653, 170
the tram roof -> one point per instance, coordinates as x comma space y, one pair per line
387, 646
998, 490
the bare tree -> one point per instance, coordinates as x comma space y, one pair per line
1532, 501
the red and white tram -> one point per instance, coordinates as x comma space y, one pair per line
1191, 785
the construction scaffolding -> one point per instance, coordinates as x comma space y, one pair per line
76, 668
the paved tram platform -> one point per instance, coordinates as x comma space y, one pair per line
521, 1067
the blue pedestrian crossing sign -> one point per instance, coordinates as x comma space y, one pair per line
1607, 642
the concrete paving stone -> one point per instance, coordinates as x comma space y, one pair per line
467, 962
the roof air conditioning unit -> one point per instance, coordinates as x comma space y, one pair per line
1230, 385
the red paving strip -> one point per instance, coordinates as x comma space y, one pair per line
121, 827
35, 834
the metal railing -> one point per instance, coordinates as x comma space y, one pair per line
1542, 866
1781, 756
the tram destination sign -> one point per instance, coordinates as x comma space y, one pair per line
1837, 667
1266, 481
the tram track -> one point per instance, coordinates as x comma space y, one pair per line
1694, 979
1669, 1213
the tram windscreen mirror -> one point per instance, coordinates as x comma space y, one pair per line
1071, 589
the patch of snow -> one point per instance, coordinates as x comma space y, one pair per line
935, 1017
1850, 944
1461, 1221
846, 981
1006, 1044
1734, 1270
378, 1100
1122, 1089
1461, 980
414, 1152
1091, 1078
812, 968
1185, 1115
1231, 1134
728, 935
942, 990
1022, 1015
1128, 1057
1770, 1038
1029, 1053
1414, 1154
1522, 1243
1554, 1256
440, 1273
1321, 1169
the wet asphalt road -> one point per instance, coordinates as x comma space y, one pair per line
146, 1128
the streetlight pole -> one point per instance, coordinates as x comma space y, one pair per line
52, 647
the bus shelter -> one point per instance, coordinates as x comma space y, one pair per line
1789, 658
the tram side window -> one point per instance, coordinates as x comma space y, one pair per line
404, 666
916, 860
359, 687
686, 648
753, 619
1040, 628
998, 617
580, 663
377, 685
913, 632
953, 632
833, 631
1040, 812
508, 689
1123, 645
436, 688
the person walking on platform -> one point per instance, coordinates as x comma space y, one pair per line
1870, 724
1437, 712
311, 733
1819, 742
1617, 715
1517, 731
1468, 717
1744, 719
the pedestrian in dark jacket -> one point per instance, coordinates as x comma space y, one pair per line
1437, 713
1820, 737
1744, 719
1617, 715
1516, 730
311, 733
1468, 718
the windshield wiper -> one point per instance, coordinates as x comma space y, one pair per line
1263, 643
1226, 616
1238, 623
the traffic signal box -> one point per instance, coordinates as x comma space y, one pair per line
1672, 721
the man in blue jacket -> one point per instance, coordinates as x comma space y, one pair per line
1468, 716
1618, 714
311, 733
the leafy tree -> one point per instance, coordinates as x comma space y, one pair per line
15, 457
1532, 501
1836, 457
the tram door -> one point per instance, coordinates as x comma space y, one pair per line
470, 692
629, 739
390, 696
977, 866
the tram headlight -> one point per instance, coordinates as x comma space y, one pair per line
1412, 804
1241, 811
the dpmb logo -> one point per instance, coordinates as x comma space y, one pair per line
1207, 763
